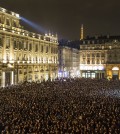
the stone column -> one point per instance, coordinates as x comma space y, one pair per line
3, 79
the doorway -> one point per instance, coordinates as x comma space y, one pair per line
7, 79
115, 73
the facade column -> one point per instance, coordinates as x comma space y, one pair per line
3, 79
12, 77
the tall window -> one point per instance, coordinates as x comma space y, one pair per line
30, 47
46, 49
1, 43
83, 61
102, 61
93, 55
7, 42
25, 45
102, 55
20, 45
15, 44
88, 61
42, 48
88, 55
36, 48
98, 55
93, 61
98, 61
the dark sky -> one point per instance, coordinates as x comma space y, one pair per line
65, 17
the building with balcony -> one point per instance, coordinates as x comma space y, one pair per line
25, 56
100, 57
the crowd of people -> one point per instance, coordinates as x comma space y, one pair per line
65, 106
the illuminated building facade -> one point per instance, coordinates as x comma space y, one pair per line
25, 56
100, 57
68, 56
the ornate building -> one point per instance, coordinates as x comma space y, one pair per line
100, 57
25, 55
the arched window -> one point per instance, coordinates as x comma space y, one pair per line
115, 68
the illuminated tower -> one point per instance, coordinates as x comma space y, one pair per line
81, 33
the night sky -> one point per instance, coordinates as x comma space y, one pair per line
64, 17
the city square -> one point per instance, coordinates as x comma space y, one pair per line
59, 67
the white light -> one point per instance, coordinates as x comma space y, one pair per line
10, 66
4, 61
3, 9
100, 67
115, 68
4, 29
11, 61
85, 68
89, 68
81, 67
17, 15
13, 13
95, 68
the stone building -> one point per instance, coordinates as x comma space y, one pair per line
100, 57
25, 56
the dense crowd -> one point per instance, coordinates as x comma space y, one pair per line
66, 106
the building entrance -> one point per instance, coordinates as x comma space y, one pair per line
7, 79
115, 73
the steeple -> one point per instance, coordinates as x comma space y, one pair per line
81, 33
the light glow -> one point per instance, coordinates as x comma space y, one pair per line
115, 68
17, 15
83, 67
33, 25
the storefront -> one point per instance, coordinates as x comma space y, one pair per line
92, 71
92, 74
115, 73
